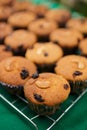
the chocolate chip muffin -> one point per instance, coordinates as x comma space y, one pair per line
46, 92
20, 40
74, 69
4, 52
5, 30
61, 16
5, 12
14, 72
68, 39
79, 24
44, 56
82, 47
21, 19
42, 28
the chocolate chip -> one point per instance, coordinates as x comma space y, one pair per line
45, 54
24, 74
38, 98
66, 86
56, 42
8, 48
36, 75
77, 73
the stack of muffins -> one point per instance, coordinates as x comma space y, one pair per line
43, 54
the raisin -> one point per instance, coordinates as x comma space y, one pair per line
36, 75
38, 98
77, 73
24, 74
45, 54
66, 86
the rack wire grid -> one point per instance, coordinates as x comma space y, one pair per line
20, 105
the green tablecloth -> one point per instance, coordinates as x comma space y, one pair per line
75, 119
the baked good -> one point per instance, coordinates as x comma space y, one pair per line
79, 24
46, 92
5, 30
20, 40
14, 72
42, 28
43, 56
82, 47
74, 69
4, 52
6, 2
21, 19
61, 16
68, 39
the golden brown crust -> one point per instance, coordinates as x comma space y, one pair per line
49, 86
78, 23
72, 67
58, 15
5, 29
44, 53
66, 37
21, 19
6, 2
11, 69
83, 46
42, 27
21, 38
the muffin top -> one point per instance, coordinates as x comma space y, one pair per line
72, 67
19, 38
4, 52
5, 12
39, 10
49, 89
6, 2
78, 23
16, 70
43, 53
21, 19
21, 5
83, 46
5, 29
42, 27
59, 15
66, 37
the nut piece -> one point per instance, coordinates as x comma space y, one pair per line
79, 64
42, 84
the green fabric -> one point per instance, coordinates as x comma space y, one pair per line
75, 119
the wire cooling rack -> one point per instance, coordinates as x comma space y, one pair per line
20, 105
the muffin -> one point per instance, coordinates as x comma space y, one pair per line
5, 12
68, 39
6, 2
74, 69
79, 24
39, 10
82, 47
20, 40
21, 6
14, 72
44, 56
61, 16
42, 28
46, 92
21, 19
5, 30
4, 52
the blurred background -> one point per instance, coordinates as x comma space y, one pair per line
78, 5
